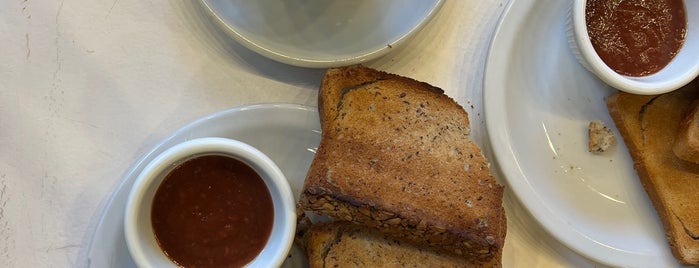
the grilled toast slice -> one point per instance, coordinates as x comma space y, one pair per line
343, 244
395, 155
649, 125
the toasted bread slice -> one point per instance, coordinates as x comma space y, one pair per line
648, 125
687, 140
395, 155
343, 244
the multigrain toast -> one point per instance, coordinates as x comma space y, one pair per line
343, 244
649, 125
395, 155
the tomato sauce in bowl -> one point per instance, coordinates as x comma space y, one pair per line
636, 37
210, 202
212, 211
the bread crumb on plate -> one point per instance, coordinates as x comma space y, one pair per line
601, 137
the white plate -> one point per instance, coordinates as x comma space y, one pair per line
287, 133
538, 101
322, 33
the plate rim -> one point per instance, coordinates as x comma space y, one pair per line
498, 135
351, 59
141, 161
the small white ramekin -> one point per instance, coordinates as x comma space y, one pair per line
683, 68
138, 230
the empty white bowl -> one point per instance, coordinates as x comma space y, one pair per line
683, 68
140, 238
322, 33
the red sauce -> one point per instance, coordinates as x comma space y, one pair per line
636, 37
212, 211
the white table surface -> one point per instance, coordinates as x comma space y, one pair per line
87, 87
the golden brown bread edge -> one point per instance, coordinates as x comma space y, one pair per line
395, 155
686, 144
343, 244
648, 125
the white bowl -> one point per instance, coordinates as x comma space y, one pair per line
683, 68
138, 230
322, 33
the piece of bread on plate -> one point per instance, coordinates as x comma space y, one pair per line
344, 244
649, 125
601, 137
395, 155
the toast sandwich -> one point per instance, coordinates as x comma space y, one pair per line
395, 155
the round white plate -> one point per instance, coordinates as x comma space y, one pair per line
322, 33
287, 133
538, 101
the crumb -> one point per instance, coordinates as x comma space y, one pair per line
601, 137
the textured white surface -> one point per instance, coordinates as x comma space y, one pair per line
87, 87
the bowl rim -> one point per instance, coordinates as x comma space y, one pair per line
305, 61
663, 81
143, 250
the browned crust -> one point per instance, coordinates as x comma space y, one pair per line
441, 192
343, 244
340, 78
410, 229
686, 145
648, 125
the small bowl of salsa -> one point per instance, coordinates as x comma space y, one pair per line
210, 202
638, 46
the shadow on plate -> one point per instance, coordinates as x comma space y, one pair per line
203, 28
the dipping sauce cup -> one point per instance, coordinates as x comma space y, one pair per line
620, 28
210, 202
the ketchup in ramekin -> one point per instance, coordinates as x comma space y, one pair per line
636, 37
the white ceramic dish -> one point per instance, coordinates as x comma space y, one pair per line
538, 102
140, 238
321, 33
680, 71
287, 133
